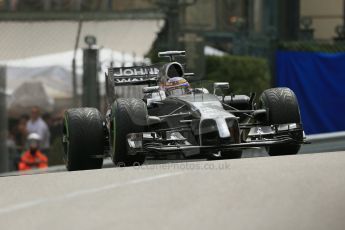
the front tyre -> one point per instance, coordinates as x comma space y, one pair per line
282, 108
83, 139
129, 115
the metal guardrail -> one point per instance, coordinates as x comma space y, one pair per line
329, 142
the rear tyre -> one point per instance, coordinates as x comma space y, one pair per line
129, 115
83, 139
282, 107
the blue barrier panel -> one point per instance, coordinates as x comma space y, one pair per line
318, 80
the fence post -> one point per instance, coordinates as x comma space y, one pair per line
91, 97
3, 121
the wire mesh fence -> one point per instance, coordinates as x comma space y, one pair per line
74, 5
37, 58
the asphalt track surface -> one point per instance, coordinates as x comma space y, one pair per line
288, 192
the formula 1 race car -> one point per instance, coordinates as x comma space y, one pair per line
173, 118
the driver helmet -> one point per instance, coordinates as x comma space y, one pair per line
177, 86
34, 140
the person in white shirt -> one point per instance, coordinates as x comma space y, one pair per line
37, 125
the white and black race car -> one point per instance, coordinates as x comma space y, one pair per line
197, 124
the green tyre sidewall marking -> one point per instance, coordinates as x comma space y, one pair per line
114, 129
67, 136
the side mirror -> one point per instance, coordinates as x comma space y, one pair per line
171, 54
151, 89
222, 86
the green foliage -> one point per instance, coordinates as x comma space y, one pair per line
313, 46
245, 74
153, 55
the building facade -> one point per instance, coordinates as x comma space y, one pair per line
325, 15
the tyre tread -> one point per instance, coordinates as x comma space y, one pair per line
86, 138
282, 108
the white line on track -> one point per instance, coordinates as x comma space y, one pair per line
37, 202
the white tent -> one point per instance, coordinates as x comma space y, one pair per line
27, 95
57, 78
211, 51
42, 51
36, 38
64, 59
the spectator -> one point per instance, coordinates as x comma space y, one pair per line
33, 158
20, 133
37, 125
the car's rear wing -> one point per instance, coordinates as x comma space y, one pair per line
149, 75
135, 75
